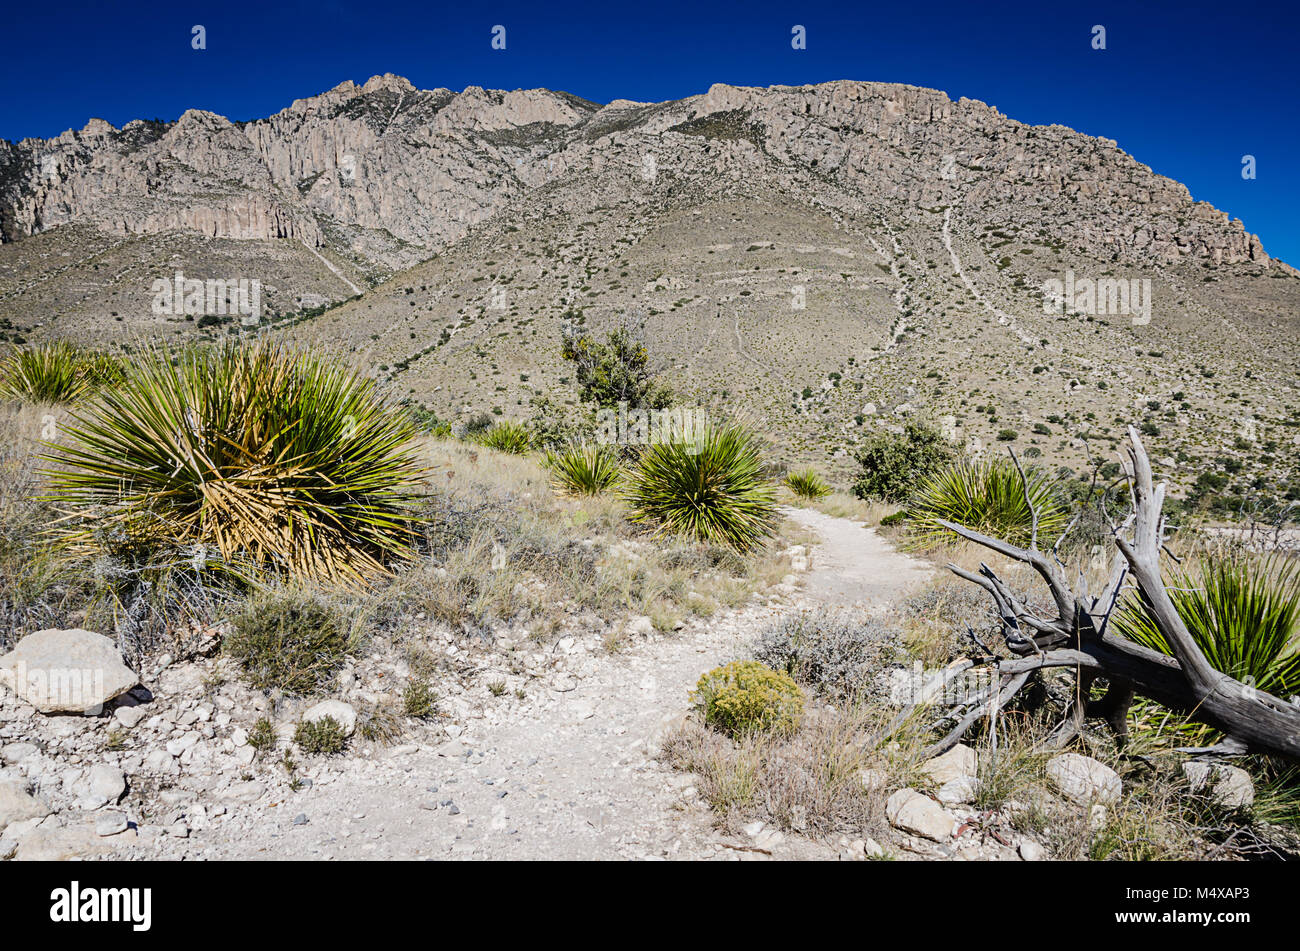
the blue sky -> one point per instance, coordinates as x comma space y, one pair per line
1187, 88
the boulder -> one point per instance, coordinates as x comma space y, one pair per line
66, 671
911, 812
1084, 780
958, 763
1229, 786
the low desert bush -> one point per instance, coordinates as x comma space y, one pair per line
893, 465
833, 652
746, 697
290, 640
322, 737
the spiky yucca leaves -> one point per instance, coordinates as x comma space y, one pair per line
266, 454
56, 373
712, 490
507, 436
1243, 613
807, 484
583, 469
989, 497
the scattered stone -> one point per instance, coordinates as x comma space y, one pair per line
66, 671
130, 717
110, 823
1084, 780
959, 762
752, 829
301, 819
16, 804
106, 783
1031, 851
13, 753
1229, 786
958, 791
909, 811
640, 625
245, 792
340, 711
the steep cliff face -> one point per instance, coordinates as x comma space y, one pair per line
389, 164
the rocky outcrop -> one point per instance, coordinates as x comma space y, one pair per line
386, 161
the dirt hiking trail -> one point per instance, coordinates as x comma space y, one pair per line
570, 771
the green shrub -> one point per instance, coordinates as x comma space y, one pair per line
507, 436
323, 737
712, 490
747, 697
583, 469
893, 465
807, 484
418, 699
56, 372
616, 370
262, 453
986, 496
262, 736
1241, 611
291, 641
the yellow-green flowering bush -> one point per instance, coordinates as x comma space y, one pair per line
746, 697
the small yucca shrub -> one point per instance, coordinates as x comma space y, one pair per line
989, 497
807, 484
1242, 612
266, 455
747, 697
56, 373
583, 469
712, 490
506, 436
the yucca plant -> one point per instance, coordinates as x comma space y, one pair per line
807, 484
1242, 611
583, 469
56, 372
270, 456
712, 490
506, 436
989, 497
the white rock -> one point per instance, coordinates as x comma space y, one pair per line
110, 823
1229, 786
182, 743
16, 804
641, 625
1031, 851
14, 753
914, 813
66, 671
130, 717
106, 783
341, 712
963, 789
959, 762
1084, 780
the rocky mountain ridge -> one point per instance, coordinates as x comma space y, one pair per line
395, 173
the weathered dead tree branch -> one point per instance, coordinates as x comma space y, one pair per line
1252, 721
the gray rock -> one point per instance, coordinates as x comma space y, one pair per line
1084, 780
1031, 851
66, 671
911, 812
13, 753
106, 783
1229, 786
957, 791
110, 823
16, 804
340, 711
130, 717
959, 762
